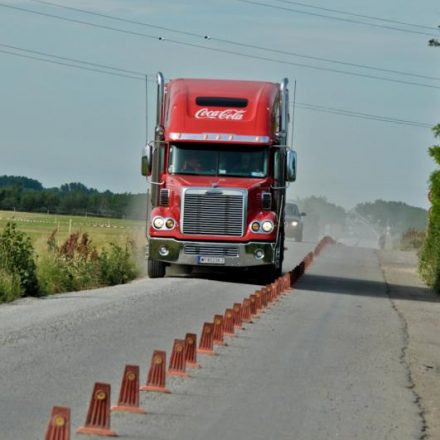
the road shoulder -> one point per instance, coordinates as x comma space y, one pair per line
419, 310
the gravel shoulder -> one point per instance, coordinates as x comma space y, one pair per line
419, 310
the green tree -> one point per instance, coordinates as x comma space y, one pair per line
323, 217
430, 256
398, 215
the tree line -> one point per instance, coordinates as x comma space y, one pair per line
23, 194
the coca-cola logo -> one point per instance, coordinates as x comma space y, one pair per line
230, 114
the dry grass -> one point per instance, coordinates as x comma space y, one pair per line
102, 231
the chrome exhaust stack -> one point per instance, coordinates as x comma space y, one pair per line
158, 138
284, 111
159, 102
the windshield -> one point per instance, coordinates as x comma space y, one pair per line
292, 210
218, 160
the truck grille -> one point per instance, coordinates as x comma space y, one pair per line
210, 251
209, 212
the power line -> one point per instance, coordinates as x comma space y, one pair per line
370, 17
360, 115
226, 51
44, 58
235, 43
309, 66
112, 17
347, 20
75, 60
68, 64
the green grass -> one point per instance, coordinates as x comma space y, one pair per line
102, 231
66, 253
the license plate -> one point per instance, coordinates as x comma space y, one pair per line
210, 260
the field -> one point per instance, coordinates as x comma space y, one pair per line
101, 230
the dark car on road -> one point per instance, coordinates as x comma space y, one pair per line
293, 222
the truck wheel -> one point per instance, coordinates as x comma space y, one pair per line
266, 275
156, 269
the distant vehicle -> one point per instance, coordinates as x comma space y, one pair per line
293, 222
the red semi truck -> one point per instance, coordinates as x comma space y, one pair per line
219, 166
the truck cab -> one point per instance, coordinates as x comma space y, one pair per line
218, 169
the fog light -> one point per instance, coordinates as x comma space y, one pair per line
164, 251
294, 223
259, 254
255, 226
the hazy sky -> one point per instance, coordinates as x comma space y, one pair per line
60, 124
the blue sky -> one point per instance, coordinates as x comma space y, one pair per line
59, 124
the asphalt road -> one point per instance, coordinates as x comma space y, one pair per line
324, 363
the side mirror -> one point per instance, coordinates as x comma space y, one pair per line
146, 161
291, 165
303, 214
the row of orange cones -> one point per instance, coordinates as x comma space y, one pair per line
183, 355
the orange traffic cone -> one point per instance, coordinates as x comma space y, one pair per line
263, 297
177, 365
228, 323
98, 416
237, 315
156, 375
217, 335
269, 294
253, 305
308, 260
258, 304
207, 341
191, 350
58, 427
246, 310
276, 287
129, 392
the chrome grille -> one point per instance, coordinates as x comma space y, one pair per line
210, 251
213, 212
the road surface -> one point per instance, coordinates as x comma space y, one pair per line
324, 363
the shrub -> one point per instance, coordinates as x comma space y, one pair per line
17, 262
10, 288
117, 265
412, 239
77, 265
429, 264
72, 266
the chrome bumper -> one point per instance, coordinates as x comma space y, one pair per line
245, 252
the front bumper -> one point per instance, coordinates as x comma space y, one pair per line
178, 252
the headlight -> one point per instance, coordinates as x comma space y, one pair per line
267, 226
170, 223
158, 222
294, 223
255, 226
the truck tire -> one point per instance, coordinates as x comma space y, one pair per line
279, 265
266, 275
156, 269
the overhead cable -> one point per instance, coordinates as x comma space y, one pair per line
330, 17
235, 43
225, 51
